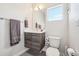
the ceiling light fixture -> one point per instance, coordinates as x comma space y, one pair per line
39, 7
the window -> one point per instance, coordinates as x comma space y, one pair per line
55, 13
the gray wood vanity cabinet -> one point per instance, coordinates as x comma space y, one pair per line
34, 41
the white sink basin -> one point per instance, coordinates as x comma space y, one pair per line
33, 31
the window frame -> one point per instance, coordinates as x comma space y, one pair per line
55, 7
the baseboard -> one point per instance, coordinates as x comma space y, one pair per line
21, 52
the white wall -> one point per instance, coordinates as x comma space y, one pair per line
39, 17
14, 11
59, 28
17, 11
54, 28
74, 26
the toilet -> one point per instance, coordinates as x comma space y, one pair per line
54, 45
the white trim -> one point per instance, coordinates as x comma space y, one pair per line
21, 52
59, 5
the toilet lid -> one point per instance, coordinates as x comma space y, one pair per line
52, 52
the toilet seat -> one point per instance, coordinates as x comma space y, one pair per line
52, 52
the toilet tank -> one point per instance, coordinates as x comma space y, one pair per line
54, 41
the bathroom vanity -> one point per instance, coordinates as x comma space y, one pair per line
34, 40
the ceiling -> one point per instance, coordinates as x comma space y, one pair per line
44, 5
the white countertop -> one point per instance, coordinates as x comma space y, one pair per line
32, 31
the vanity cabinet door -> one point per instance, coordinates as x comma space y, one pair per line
28, 36
38, 41
27, 40
36, 46
35, 41
28, 44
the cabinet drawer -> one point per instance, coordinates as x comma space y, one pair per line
36, 40
36, 34
37, 37
36, 44
28, 38
28, 44
36, 47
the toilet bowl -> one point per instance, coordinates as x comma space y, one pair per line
54, 45
52, 52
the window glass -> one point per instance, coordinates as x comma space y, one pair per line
54, 14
